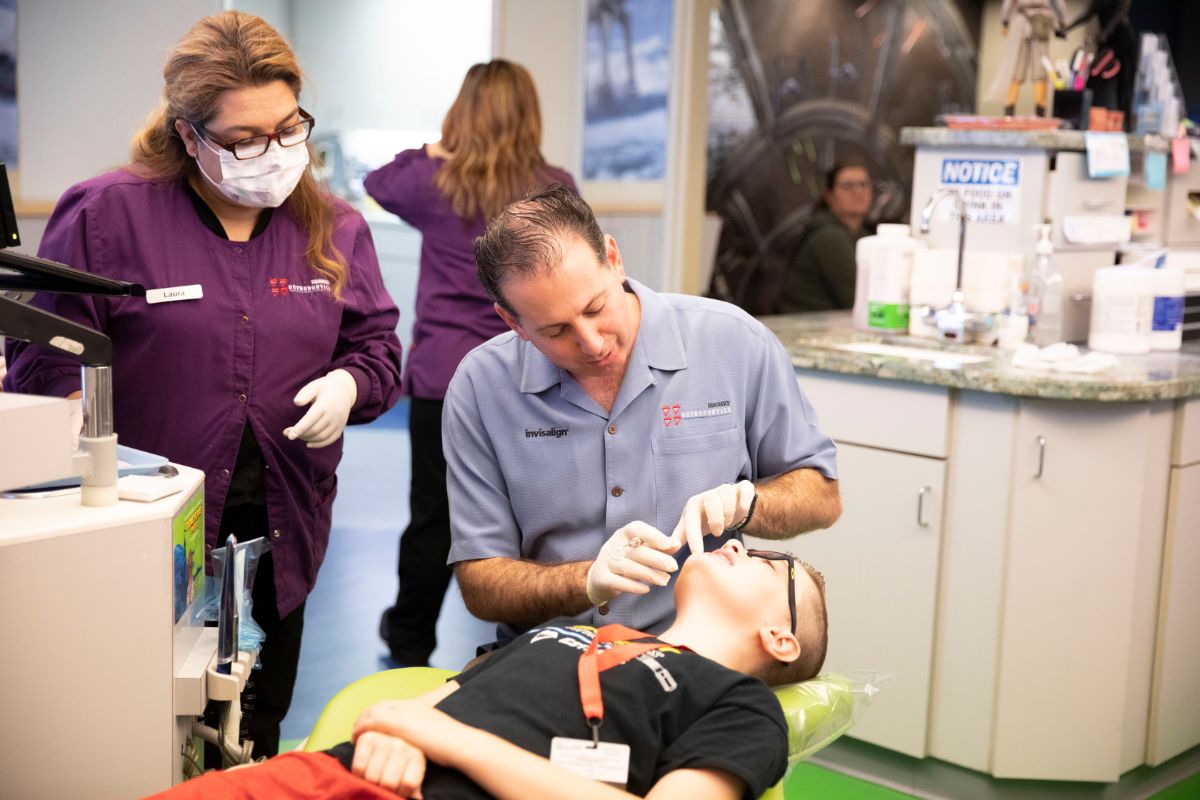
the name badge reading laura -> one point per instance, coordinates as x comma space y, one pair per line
605, 761
174, 294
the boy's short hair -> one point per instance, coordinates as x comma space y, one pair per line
812, 632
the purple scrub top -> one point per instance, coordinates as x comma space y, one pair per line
189, 376
453, 312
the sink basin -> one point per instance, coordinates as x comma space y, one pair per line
947, 358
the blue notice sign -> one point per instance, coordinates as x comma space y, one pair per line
981, 172
990, 188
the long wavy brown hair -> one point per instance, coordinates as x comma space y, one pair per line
232, 50
494, 132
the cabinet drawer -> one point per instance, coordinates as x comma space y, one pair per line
1071, 193
906, 417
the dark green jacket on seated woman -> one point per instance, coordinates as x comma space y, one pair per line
821, 274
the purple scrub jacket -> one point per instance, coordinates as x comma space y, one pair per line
453, 312
188, 376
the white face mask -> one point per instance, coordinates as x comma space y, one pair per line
262, 182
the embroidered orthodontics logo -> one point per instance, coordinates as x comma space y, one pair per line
281, 288
675, 415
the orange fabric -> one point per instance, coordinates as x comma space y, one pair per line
592, 664
290, 776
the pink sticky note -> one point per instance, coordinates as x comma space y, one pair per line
1181, 154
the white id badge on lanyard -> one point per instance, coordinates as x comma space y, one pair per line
174, 294
603, 761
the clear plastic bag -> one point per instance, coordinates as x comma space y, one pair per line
823, 708
207, 606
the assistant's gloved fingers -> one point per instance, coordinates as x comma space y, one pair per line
327, 439
306, 423
634, 570
307, 393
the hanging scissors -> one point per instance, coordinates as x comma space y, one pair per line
1106, 65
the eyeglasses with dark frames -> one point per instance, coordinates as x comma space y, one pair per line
774, 555
255, 146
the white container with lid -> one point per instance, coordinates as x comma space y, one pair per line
864, 251
1122, 309
1166, 325
888, 280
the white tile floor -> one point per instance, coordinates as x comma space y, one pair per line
358, 579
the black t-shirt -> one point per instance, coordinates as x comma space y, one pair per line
675, 709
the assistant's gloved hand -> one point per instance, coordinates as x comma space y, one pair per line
331, 397
713, 512
634, 556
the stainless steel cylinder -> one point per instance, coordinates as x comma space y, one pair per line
97, 401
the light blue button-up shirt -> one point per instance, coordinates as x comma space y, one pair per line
537, 470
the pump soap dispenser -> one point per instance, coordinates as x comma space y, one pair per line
1045, 293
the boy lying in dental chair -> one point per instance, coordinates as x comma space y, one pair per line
686, 714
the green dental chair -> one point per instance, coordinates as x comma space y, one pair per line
817, 711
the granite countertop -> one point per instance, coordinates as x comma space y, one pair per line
1042, 140
812, 339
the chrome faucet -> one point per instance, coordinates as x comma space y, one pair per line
955, 322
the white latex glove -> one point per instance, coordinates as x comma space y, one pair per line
632, 558
331, 397
713, 512
75, 421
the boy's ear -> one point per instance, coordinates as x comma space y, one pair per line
779, 643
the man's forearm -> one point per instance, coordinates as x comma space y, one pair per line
523, 592
795, 502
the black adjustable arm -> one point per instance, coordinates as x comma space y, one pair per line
31, 274
33, 325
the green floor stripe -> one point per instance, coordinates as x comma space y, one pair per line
1187, 790
810, 782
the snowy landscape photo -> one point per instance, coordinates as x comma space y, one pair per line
628, 72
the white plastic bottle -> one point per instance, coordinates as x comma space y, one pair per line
864, 252
1122, 310
888, 281
1045, 293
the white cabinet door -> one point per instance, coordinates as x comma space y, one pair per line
1175, 706
881, 566
1078, 475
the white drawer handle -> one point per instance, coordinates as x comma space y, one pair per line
1041, 440
1093, 203
921, 506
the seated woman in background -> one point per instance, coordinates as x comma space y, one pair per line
822, 272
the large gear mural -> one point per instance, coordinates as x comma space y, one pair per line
796, 87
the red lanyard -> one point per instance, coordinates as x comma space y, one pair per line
592, 663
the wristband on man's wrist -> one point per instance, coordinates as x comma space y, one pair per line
737, 526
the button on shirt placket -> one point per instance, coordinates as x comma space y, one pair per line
241, 280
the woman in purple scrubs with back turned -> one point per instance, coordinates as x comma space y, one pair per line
283, 335
489, 155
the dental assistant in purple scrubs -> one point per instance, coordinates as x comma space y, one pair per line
489, 155
285, 333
